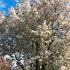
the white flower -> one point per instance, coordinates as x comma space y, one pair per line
14, 64
12, 13
22, 62
26, 6
63, 68
1, 17
7, 57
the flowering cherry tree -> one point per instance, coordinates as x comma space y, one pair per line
34, 36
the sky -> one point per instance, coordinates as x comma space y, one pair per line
6, 4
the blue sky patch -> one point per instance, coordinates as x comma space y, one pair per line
6, 4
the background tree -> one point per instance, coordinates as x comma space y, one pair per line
34, 35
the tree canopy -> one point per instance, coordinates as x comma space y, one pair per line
35, 36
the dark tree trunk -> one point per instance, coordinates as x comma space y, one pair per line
37, 65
